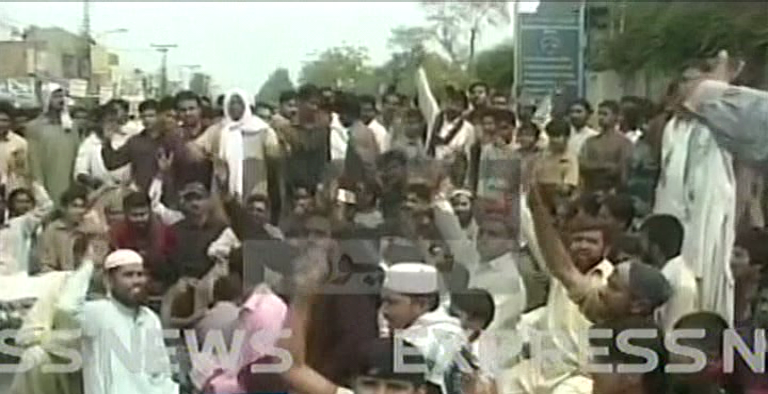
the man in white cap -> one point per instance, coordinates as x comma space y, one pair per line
462, 202
112, 325
411, 300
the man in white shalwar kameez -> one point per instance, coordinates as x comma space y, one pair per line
118, 320
699, 189
698, 184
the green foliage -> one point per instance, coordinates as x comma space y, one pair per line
666, 35
496, 66
344, 67
277, 82
439, 70
349, 67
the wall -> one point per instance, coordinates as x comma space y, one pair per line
609, 85
66, 52
14, 55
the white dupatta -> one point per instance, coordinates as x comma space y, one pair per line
231, 148
47, 91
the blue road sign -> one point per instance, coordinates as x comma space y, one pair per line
551, 59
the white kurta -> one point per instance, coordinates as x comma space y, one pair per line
698, 186
501, 278
685, 293
142, 365
381, 134
670, 190
339, 138
578, 138
89, 161
561, 330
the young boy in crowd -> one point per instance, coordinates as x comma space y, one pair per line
557, 168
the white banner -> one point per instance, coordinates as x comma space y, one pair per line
78, 88
106, 93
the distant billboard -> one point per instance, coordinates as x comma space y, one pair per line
551, 56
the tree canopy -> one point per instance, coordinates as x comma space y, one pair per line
664, 35
441, 48
277, 82
496, 66
343, 67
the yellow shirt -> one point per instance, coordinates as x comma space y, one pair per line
557, 169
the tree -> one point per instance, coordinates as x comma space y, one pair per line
447, 27
277, 82
458, 22
400, 72
409, 38
344, 67
496, 66
681, 32
409, 46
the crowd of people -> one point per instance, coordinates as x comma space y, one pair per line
466, 233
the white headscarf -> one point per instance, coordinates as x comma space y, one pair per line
48, 90
231, 144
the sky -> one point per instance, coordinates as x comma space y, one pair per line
239, 44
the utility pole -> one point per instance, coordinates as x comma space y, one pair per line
86, 27
164, 48
87, 71
516, 53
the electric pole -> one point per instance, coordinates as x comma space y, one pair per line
87, 71
86, 27
163, 49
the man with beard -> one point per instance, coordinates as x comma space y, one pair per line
190, 164
116, 320
635, 287
148, 236
588, 247
53, 143
461, 201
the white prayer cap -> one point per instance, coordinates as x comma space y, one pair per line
462, 193
411, 278
122, 257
